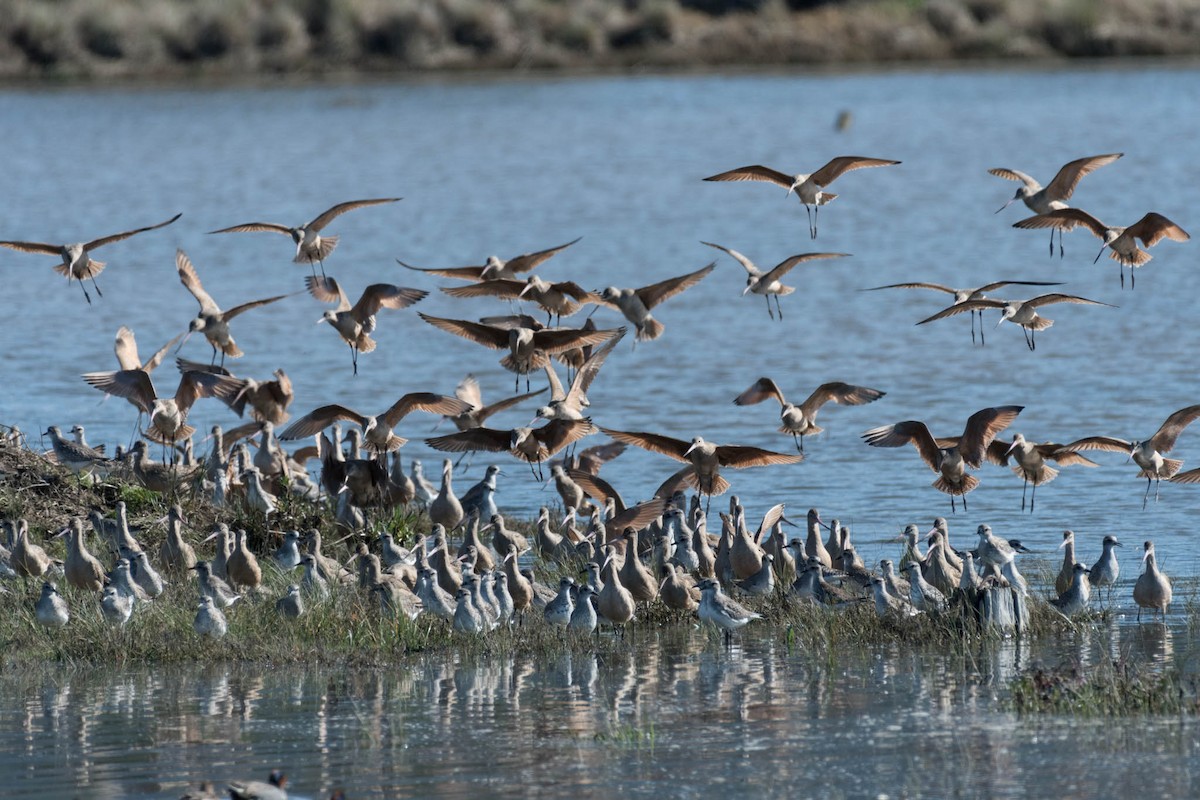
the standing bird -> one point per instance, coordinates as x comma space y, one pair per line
949, 457
1106, 569
209, 620
1023, 313
1151, 229
1147, 454
310, 245
705, 458
1153, 589
799, 420
116, 607
1074, 598
1031, 462
963, 295
495, 268
1041, 200
719, 609
51, 609
74, 456
356, 323
809, 188
768, 283
212, 321
635, 304
378, 434
77, 263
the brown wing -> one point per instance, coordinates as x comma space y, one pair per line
760, 390
125, 347
486, 335
132, 384
318, 420
1015, 175
843, 164
773, 515
475, 439
191, 282
244, 307
574, 290
1153, 228
500, 405
1164, 438
591, 367
188, 391
116, 237
1048, 299
460, 273
327, 290
159, 354
963, 307
196, 366
997, 452
656, 293
341, 208
741, 456
982, 427
511, 321
636, 517
424, 401
281, 388
527, 261
1067, 458
1067, 179
757, 172
991, 287
34, 247
652, 442
385, 295
1108, 443
468, 391
937, 287
257, 227
597, 488
559, 433
594, 457
557, 340
226, 388
502, 289
1065, 219
902, 433
843, 393
784, 267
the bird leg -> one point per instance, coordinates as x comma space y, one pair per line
973, 326
1132, 278
1146, 496
1121, 267
799, 443
354, 358
778, 308
1025, 486
95, 286
812, 229
770, 313
1032, 498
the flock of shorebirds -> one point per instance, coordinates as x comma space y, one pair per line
657, 549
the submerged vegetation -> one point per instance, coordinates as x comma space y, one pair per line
74, 39
1108, 689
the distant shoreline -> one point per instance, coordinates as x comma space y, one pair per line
122, 41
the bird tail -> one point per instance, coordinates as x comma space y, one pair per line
155, 435
716, 485
364, 344
539, 360
811, 430
650, 329
321, 252
1169, 468
1044, 474
1139, 258
1039, 324
969, 482
826, 198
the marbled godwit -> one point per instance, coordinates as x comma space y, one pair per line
268, 399
810, 189
116, 607
677, 589
529, 349
125, 347
27, 559
768, 283
532, 445
1074, 599
569, 404
81, 569
468, 391
77, 263
705, 458
949, 457
310, 245
1023, 313
51, 609
622, 515
1153, 589
635, 304
560, 299
963, 295
212, 321
614, 601
1052, 198
1151, 229
1147, 454
159, 477
1106, 569
496, 269
356, 323
1066, 573
445, 509
1031, 462
168, 415
175, 554
378, 433
799, 420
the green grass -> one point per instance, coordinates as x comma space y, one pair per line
1110, 689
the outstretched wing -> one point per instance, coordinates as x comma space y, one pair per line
741, 456
656, 293
486, 335
981, 429
843, 164
738, 257
527, 261
191, 282
784, 267
1068, 177
653, 442
760, 390
475, 439
319, 419
341, 208
385, 295
1164, 438
756, 172
843, 393
902, 433
116, 237
424, 401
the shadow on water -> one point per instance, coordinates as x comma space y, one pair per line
675, 713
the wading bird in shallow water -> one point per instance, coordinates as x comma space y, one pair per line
1153, 589
949, 457
356, 323
809, 188
1147, 454
212, 321
704, 458
635, 304
768, 283
1031, 462
495, 268
1151, 229
963, 295
1023, 313
799, 420
77, 263
311, 246
1041, 200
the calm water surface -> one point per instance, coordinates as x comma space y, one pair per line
513, 166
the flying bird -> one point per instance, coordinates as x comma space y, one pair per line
799, 420
963, 295
495, 268
768, 283
378, 435
1023, 313
356, 323
212, 321
532, 445
635, 304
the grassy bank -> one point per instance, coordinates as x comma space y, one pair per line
172, 39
